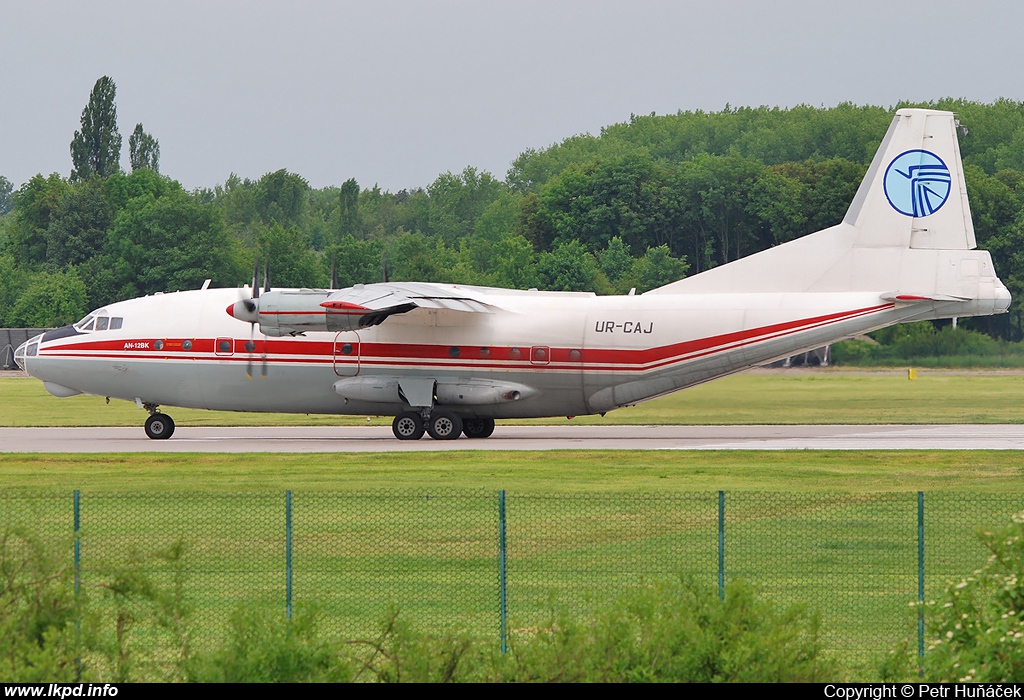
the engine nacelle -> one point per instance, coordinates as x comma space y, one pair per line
294, 311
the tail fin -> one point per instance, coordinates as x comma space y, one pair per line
907, 233
914, 194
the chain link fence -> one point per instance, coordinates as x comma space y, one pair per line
493, 563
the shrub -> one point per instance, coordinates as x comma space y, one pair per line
675, 632
978, 626
38, 611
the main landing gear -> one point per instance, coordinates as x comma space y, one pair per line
442, 425
159, 426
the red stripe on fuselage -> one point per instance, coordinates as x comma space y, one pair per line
415, 354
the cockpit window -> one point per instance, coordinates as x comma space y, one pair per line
99, 321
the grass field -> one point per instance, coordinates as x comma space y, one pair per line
779, 397
534, 472
834, 529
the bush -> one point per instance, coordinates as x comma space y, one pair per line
127, 627
978, 626
38, 611
675, 632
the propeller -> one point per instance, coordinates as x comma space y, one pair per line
248, 310
334, 270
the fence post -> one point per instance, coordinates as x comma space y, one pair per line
721, 545
288, 552
920, 575
502, 575
78, 580
78, 542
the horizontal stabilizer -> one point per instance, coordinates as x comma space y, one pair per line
901, 298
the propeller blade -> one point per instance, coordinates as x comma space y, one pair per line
250, 347
266, 273
256, 276
384, 267
334, 271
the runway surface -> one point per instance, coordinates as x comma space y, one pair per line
567, 437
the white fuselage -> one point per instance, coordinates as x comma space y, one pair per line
564, 353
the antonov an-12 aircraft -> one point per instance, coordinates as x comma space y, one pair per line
450, 359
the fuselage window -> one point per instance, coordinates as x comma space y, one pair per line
101, 323
115, 323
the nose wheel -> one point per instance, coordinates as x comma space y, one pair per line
159, 426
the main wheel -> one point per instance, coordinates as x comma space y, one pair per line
407, 426
444, 426
478, 427
159, 426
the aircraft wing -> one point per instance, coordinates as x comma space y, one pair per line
384, 299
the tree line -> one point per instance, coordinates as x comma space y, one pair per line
638, 205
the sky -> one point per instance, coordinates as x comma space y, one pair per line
395, 93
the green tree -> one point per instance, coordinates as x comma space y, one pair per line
96, 149
457, 202
34, 205
292, 262
143, 150
281, 196
78, 227
13, 280
657, 268
515, 263
356, 261
169, 243
6, 202
349, 223
569, 267
51, 299
616, 262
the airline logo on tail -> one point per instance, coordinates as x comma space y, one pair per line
917, 183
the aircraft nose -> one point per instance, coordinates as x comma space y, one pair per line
27, 349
